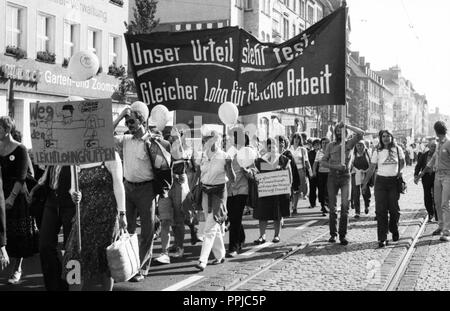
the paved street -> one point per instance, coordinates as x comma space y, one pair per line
316, 265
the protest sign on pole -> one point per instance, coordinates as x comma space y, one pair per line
200, 70
273, 183
72, 133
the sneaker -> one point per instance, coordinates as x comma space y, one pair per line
332, 239
366, 211
382, 244
218, 261
15, 278
232, 254
137, 278
445, 238
276, 240
200, 266
437, 232
357, 216
260, 241
343, 241
163, 259
179, 253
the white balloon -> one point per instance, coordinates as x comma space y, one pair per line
83, 65
228, 113
74, 99
160, 116
246, 156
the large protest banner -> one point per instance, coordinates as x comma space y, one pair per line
72, 133
199, 70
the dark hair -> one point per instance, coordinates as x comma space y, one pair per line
139, 116
324, 139
440, 128
316, 141
381, 145
304, 136
7, 123
299, 136
16, 135
283, 139
355, 152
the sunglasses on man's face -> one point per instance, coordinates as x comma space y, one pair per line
130, 121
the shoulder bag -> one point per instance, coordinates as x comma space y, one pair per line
401, 184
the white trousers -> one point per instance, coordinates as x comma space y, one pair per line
213, 236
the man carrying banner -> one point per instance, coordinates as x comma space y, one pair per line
339, 178
139, 176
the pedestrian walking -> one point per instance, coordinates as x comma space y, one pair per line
4, 258
321, 173
14, 163
237, 197
273, 207
440, 163
215, 171
359, 167
339, 178
300, 155
389, 160
102, 215
313, 178
427, 180
139, 175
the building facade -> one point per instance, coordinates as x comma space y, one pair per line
371, 102
435, 116
36, 42
269, 21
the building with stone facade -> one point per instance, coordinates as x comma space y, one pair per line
410, 108
371, 102
37, 40
269, 21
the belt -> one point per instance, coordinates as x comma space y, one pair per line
139, 183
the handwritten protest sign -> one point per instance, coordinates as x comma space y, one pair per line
72, 133
273, 183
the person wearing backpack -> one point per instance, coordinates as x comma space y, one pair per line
359, 167
389, 159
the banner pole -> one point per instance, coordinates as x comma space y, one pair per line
344, 110
78, 218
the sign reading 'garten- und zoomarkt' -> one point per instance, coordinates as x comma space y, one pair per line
72, 133
199, 70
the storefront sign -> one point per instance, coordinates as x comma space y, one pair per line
72, 133
273, 183
15, 72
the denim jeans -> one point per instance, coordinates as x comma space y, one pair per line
141, 198
428, 193
386, 201
336, 182
322, 182
442, 200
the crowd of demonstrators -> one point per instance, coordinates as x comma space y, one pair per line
389, 161
359, 167
159, 178
427, 180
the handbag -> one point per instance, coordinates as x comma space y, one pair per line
401, 184
162, 180
123, 257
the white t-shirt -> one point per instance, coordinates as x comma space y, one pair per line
387, 163
319, 157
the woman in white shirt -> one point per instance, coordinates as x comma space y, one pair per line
389, 159
215, 171
300, 155
322, 176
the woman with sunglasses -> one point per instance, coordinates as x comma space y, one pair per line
389, 159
